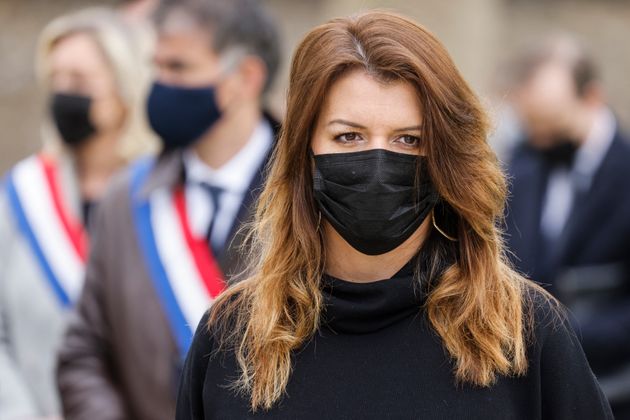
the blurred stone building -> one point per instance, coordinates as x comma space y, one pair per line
480, 34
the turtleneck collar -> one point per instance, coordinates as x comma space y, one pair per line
359, 308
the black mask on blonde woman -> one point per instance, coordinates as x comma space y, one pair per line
371, 197
71, 114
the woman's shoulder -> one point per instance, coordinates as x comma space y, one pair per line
201, 350
544, 314
557, 359
203, 338
217, 328
9, 228
546, 318
193, 377
208, 347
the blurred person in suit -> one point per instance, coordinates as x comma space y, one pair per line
167, 237
568, 218
95, 82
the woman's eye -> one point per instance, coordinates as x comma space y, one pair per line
347, 137
409, 140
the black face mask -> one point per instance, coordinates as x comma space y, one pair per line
71, 114
371, 197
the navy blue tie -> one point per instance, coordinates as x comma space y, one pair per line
215, 195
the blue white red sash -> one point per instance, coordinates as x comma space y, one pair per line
57, 238
184, 271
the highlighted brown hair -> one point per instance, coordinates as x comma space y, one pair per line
477, 304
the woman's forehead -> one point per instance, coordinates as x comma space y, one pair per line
363, 99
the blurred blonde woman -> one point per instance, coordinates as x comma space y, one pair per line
95, 75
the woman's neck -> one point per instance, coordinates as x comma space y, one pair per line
346, 263
96, 161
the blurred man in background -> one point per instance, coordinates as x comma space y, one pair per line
568, 219
165, 240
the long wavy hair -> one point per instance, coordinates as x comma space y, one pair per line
477, 304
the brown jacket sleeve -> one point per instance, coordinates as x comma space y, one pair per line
84, 375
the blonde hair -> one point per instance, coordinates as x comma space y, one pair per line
477, 304
127, 50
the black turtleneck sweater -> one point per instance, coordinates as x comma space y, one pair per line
375, 357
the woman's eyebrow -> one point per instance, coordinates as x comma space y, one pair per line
411, 128
356, 125
348, 123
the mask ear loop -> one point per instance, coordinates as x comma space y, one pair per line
319, 221
450, 238
319, 212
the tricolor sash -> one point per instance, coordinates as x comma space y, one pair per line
57, 238
184, 272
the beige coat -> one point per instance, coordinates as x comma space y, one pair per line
32, 320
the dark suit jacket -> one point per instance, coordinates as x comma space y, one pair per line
120, 359
588, 268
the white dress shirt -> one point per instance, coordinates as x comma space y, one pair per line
234, 178
563, 183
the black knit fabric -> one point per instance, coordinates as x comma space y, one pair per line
376, 357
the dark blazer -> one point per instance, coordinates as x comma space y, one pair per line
588, 268
119, 358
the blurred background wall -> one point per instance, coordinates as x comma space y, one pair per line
480, 34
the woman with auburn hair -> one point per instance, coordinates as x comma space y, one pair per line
378, 285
